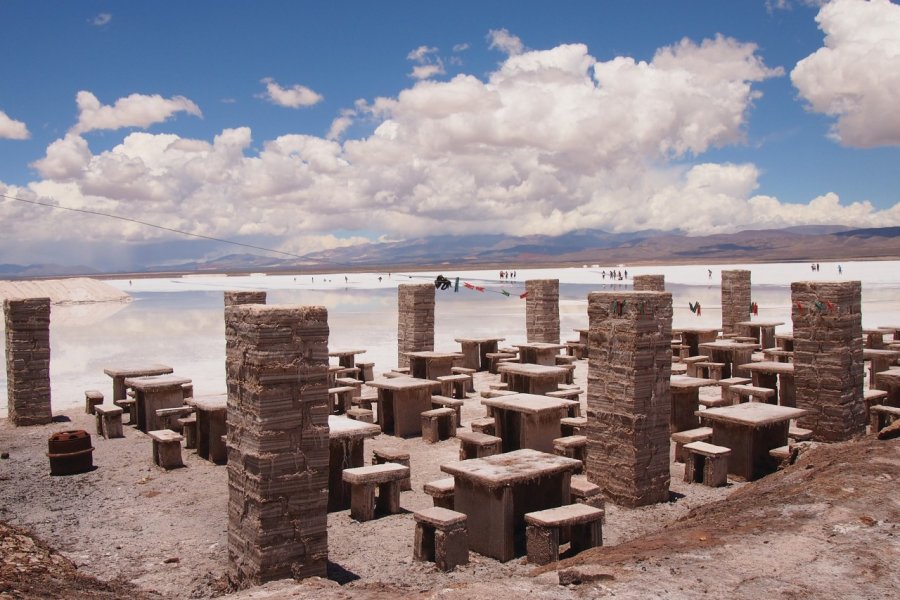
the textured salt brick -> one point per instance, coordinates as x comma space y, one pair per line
736, 299
28, 360
415, 320
235, 298
542, 310
649, 283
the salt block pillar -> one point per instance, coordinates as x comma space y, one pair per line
828, 358
736, 299
277, 363
415, 319
649, 283
28, 360
234, 298
629, 398
542, 310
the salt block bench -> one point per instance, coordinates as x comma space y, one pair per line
466, 371
691, 362
700, 434
446, 402
572, 446
881, 416
706, 463
564, 360
364, 480
91, 399
484, 425
189, 430
752, 392
781, 453
438, 424
166, 448
725, 387
494, 359
572, 425
502, 386
109, 420
441, 537
128, 405
799, 434
341, 399
566, 395
584, 522
583, 491
361, 414
576, 349
454, 386
441, 491
709, 370
381, 456
873, 397
169, 416
366, 371
477, 445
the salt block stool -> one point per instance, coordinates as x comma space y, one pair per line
564, 359
585, 524
700, 434
454, 386
873, 397
725, 388
570, 394
575, 349
705, 463
478, 445
341, 398
366, 371
446, 402
582, 491
109, 421
91, 399
494, 359
363, 481
484, 425
441, 491
442, 537
166, 448
881, 416
438, 424
361, 414
466, 371
753, 393
381, 456
572, 425
572, 446
129, 405
691, 363
711, 370
799, 434
502, 386
189, 430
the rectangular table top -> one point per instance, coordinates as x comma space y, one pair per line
510, 468
540, 346
891, 375
155, 382
728, 345
344, 428
760, 323
209, 403
684, 382
752, 414
530, 369
769, 366
432, 354
697, 330
784, 336
879, 353
528, 403
348, 352
479, 340
402, 383
138, 370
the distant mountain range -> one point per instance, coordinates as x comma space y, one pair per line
807, 243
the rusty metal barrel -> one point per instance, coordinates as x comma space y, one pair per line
70, 452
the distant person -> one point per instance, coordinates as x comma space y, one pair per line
626, 273
379, 279
345, 279
710, 273
840, 270
818, 267
129, 282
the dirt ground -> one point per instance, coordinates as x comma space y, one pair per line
826, 528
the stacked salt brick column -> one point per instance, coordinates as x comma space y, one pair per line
542, 310
235, 298
28, 360
649, 283
415, 320
828, 358
736, 300
277, 362
629, 398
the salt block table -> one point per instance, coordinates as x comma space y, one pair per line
692, 337
879, 360
539, 353
686, 401
785, 341
750, 430
873, 339
427, 364
527, 420
732, 354
345, 445
346, 358
889, 381
778, 376
496, 492
893, 330
211, 412
401, 402
764, 331
475, 350
529, 378
120, 373
152, 393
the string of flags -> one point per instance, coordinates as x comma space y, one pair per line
444, 283
695, 307
818, 306
617, 307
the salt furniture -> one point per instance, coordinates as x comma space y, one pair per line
778, 376
454, 386
879, 360
130, 406
725, 385
692, 337
475, 351
188, 426
478, 445
109, 421
761, 331
527, 420
366, 371
346, 357
889, 381
401, 402
584, 492
572, 425
91, 399
211, 412
393, 455
166, 448
363, 482
711, 370
539, 353
798, 434
530, 378
427, 364
466, 371
700, 434
361, 414
733, 354
750, 430
882, 416
438, 424
341, 398
345, 448
152, 393
484, 425
441, 492
120, 373
583, 522
497, 491
495, 359
685, 401
441, 537
445, 402
873, 397
705, 463
691, 363
753, 393
573, 446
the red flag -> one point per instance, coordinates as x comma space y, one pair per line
523, 295
468, 285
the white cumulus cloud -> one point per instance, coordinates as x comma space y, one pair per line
429, 63
296, 96
503, 40
11, 129
855, 76
135, 110
101, 19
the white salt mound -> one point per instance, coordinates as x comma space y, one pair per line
77, 290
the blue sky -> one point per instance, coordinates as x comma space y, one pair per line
301, 125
